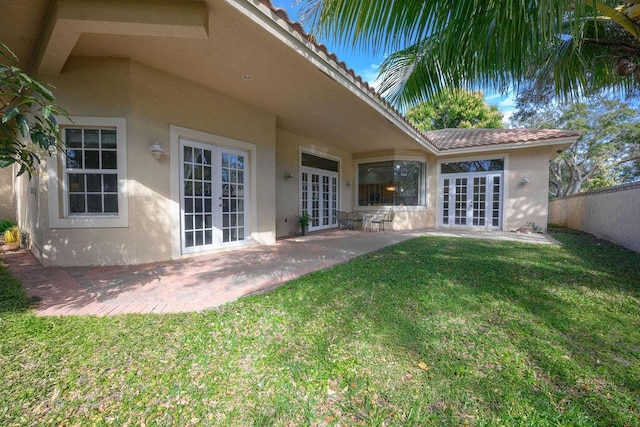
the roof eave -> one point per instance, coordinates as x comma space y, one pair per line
280, 28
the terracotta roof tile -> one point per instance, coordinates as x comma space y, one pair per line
449, 139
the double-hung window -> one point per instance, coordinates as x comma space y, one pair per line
88, 184
91, 171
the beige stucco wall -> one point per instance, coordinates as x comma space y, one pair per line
7, 205
289, 146
150, 101
528, 202
609, 214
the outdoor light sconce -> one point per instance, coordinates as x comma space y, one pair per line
156, 149
288, 175
348, 183
525, 180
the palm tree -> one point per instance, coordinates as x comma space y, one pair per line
579, 47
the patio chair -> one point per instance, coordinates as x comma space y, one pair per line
358, 221
388, 219
377, 221
351, 216
342, 220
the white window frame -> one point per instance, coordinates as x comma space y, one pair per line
425, 178
59, 216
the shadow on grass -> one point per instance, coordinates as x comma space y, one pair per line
500, 321
13, 298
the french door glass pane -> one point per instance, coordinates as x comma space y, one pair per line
334, 200
461, 201
479, 200
196, 201
445, 201
232, 172
495, 211
315, 200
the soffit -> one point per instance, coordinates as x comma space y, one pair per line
21, 23
283, 80
216, 52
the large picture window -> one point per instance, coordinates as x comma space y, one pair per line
91, 171
391, 183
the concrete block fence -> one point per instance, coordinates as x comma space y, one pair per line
612, 214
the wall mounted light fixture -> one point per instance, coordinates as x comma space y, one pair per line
288, 175
156, 149
524, 180
348, 183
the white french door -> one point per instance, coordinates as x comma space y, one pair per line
319, 197
472, 200
212, 196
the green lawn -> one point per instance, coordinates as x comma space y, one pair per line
434, 331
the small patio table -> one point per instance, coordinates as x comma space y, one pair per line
371, 219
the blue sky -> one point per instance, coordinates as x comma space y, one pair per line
366, 64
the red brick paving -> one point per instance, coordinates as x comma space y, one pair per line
193, 284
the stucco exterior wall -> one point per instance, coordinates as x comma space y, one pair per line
150, 101
7, 205
289, 146
527, 202
611, 214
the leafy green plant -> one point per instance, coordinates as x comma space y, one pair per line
534, 227
304, 220
28, 127
5, 224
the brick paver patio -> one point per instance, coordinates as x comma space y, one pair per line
198, 283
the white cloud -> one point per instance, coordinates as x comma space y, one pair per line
370, 75
505, 103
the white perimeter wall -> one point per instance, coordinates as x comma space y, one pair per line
612, 214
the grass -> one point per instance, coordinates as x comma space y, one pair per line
434, 331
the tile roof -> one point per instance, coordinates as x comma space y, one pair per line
449, 139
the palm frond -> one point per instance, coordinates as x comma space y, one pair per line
472, 43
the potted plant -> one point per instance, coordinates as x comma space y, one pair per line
304, 221
12, 237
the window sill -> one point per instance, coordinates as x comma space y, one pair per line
392, 208
89, 222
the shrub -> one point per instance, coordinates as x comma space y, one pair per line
5, 224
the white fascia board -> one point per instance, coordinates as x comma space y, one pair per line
326, 65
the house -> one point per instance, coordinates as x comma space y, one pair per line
207, 125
